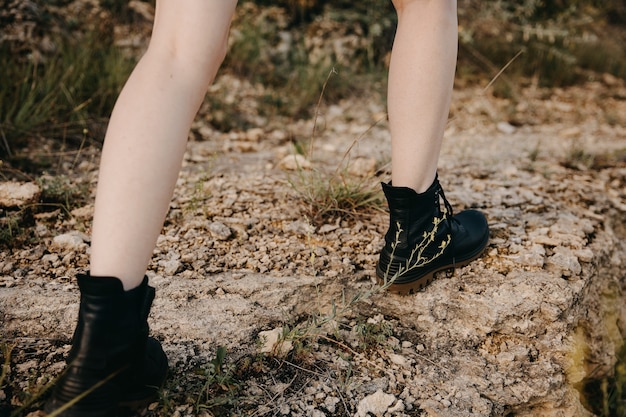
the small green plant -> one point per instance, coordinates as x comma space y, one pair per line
219, 387
62, 192
10, 229
335, 195
373, 334
578, 158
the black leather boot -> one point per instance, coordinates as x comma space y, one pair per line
112, 363
424, 238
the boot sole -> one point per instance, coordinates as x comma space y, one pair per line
417, 285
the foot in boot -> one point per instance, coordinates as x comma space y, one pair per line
424, 238
113, 363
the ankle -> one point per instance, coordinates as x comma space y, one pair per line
418, 184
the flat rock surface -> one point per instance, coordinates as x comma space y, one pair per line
240, 253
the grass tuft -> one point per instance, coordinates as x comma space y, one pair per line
63, 94
337, 195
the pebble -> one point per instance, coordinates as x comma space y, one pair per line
273, 342
294, 163
331, 403
362, 167
377, 403
584, 255
171, 267
399, 360
69, 242
219, 231
506, 127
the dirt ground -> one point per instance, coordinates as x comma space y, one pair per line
241, 254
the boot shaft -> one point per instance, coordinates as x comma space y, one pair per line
111, 322
412, 215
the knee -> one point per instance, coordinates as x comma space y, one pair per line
198, 61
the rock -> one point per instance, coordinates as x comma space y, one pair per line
83, 212
14, 194
399, 360
378, 384
564, 260
294, 163
327, 228
584, 255
219, 231
274, 344
255, 134
171, 267
330, 403
362, 167
299, 227
377, 403
506, 127
534, 257
69, 242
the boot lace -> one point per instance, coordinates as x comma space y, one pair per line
447, 213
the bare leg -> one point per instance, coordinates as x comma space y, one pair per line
147, 134
421, 77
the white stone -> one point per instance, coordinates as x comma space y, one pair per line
362, 167
171, 267
69, 241
506, 127
273, 342
14, 194
377, 403
398, 360
220, 231
294, 163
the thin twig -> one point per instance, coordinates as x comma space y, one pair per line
317, 111
493, 80
358, 139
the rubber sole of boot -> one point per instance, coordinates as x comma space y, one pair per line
421, 282
123, 407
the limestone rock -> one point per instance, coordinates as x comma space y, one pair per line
220, 231
377, 404
294, 163
69, 242
273, 342
362, 167
14, 194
